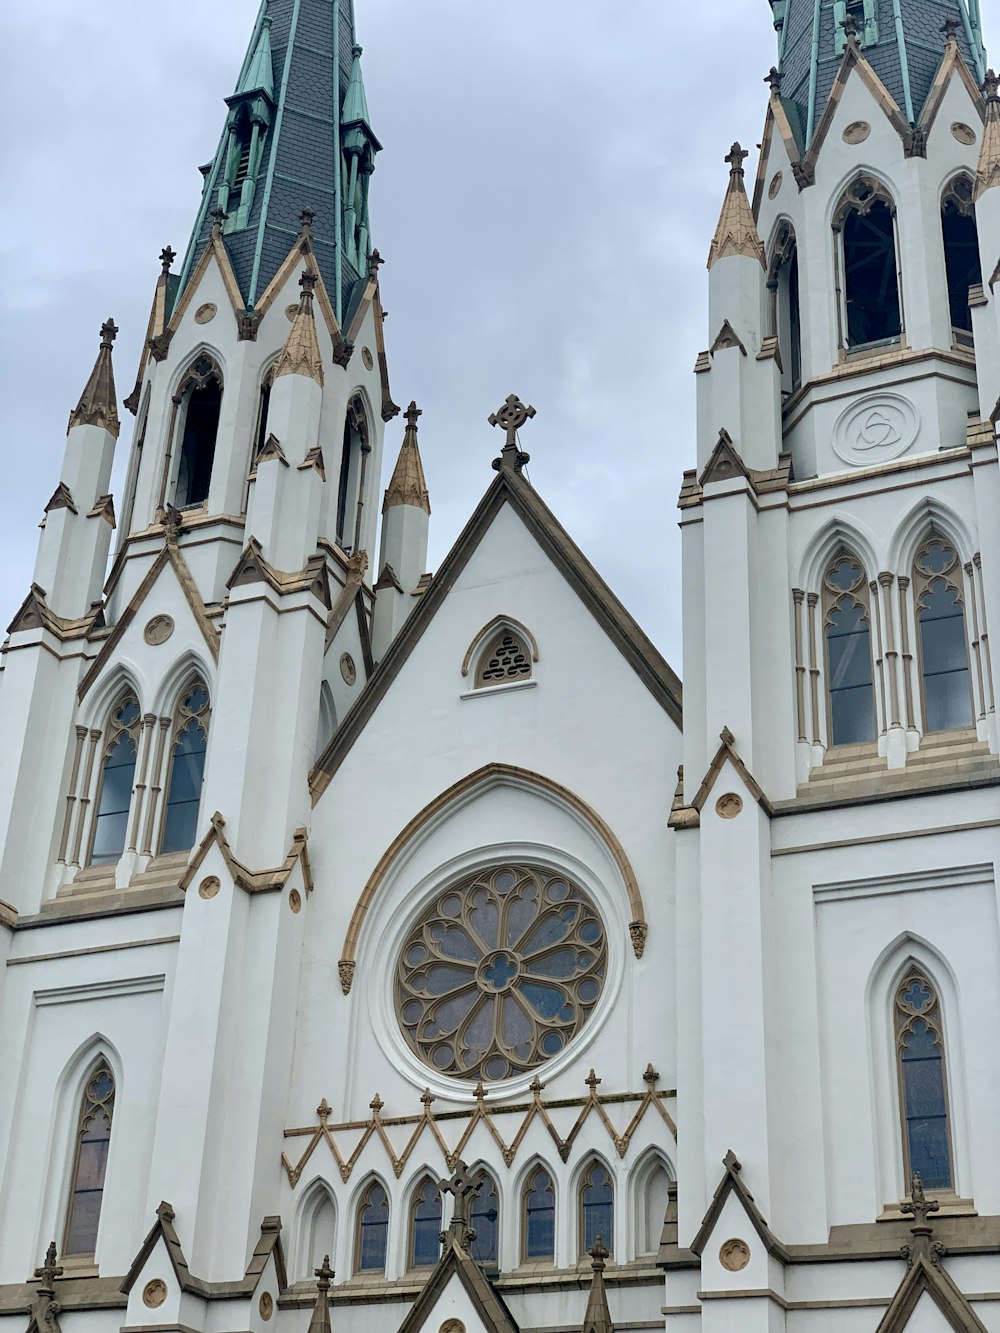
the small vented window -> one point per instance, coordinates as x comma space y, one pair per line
505, 660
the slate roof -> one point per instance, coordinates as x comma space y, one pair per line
301, 154
908, 81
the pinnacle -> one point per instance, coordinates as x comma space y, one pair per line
300, 354
988, 170
736, 233
97, 405
408, 486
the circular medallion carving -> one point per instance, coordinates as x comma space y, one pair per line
347, 668
206, 313
154, 1293
367, 358
857, 132
295, 901
290, 312
158, 630
734, 1255
775, 186
878, 428
266, 1305
963, 133
209, 887
729, 806
452, 1326
501, 971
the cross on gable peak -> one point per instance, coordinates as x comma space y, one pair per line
511, 417
599, 1253
412, 415
49, 1270
325, 1274
736, 156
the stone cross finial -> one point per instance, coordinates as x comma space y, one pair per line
375, 262
109, 331
920, 1208
325, 1274
412, 413
308, 282
49, 1270
218, 216
991, 85
949, 28
650, 1077
167, 257
464, 1187
592, 1081
306, 218
599, 1255
736, 156
773, 79
511, 417
850, 27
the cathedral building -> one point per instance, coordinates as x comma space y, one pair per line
361, 974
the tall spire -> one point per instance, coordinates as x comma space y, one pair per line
282, 146
811, 37
407, 485
598, 1317
988, 172
736, 233
97, 405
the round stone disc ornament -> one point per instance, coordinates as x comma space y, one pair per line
500, 973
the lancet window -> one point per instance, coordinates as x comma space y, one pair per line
187, 769
425, 1225
923, 1085
485, 1220
539, 1217
373, 1230
783, 283
90, 1162
506, 658
200, 398
116, 781
353, 466
652, 1195
847, 632
597, 1208
944, 654
961, 254
870, 305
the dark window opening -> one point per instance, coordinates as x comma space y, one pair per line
201, 426
961, 252
786, 313
870, 276
349, 486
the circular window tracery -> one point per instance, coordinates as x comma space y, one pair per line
501, 971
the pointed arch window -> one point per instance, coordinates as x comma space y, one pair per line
783, 283
90, 1162
200, 396
187, 769
652, 1198
117, 779
866, 221
353, 466
847, 633
318, 1231
539, 1217
485, 1221
961, 253
944, 654
425, 1225
597, 1208
923, 1096
373, 1230
506, 658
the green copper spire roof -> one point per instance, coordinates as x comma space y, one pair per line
297, 136
903, 40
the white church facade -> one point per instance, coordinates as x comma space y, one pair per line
384, 950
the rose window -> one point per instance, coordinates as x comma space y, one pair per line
500, 973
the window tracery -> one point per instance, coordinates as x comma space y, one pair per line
847, 632
117, 779
373, 1230
539, 1219
944, 656
90, 1162
922, 1081
201, 395
187, 769
505, 659
501, 971
865, 221
597, 1204
425, 1225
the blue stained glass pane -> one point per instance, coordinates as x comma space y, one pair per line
485, 1217
944, 659
929, 1155
852, 711
598, 1210
426, 1228
925, 1107
187, 772
374, 1230
110, 826
539, 1241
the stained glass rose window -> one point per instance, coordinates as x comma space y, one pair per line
500, 972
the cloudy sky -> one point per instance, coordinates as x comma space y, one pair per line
551, 177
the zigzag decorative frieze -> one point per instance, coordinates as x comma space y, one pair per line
427, 1122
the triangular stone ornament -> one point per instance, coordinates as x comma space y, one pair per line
726, 338
732, 1183
724, 462
61, 499
271, 448
32, 612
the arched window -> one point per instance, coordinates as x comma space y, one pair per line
201, 398
961, 253
944, 657
90, 1162
539, 1217
847, 631
187, 769
866, 222
504, 659
318, 1232
373, 1230
597, 1208
923, 1085
425, 1225
353, 461
652, 1196
785, 311
116, 781
485, 1221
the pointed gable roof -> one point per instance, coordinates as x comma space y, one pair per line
98, 405
509, 487
457, 1263
732, 1183
736, 233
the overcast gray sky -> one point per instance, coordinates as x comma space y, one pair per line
551, 177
